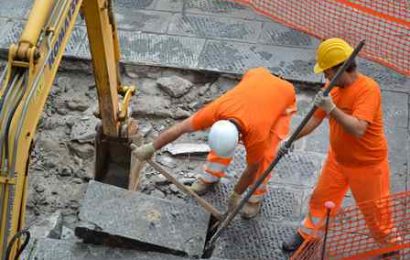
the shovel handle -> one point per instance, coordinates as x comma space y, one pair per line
206, 205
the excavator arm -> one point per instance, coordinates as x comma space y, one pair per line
25, 85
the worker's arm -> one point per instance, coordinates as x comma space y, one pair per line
246, 178
350, 124
172, 133
311, 125
146, 151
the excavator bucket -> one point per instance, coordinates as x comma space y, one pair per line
113, 157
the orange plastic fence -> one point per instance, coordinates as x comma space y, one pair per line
384, 24
357, 232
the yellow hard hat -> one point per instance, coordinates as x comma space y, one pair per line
330, 53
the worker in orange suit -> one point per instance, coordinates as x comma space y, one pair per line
257, 112
357, 156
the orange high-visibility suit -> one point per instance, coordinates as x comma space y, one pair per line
358, 163
262, 105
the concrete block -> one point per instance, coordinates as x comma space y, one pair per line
130, 219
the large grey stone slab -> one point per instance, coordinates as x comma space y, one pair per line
138, 220
11, 33
253, 239
234, 57
169, 5
395, 109
143, 20
153, 49
76, 40
218, 7
132, 4
215, 27
317, 141
15, 9
398, 140
277, 34
51, 249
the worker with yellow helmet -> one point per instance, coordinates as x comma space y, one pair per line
357, 156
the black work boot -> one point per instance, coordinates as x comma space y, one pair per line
293, 243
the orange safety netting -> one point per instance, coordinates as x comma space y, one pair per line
361, 232
384, 24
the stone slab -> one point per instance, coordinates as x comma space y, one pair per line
15, 9
170, 5
277, 34
51, 249
11, 33
253, 239
395, 110
201, 26
132, 4
219, 8
138, 219
398, 140
234, 57
317, 141
142, 20
152, 49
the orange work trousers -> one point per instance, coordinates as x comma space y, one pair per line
366, 183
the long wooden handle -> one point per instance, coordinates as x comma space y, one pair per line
207, 206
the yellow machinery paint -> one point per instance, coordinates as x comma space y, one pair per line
32, 65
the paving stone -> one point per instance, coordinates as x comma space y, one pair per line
11, 33
253, 239
398, 140
395, 109
15, 9
277, 34
215, 27
137, 219
142, 20
160, 49
218, 7
134, 5
292, 63
76, 39
387, 78
169, 5
317, 141
51, 249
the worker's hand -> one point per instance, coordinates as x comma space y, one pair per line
233, 201
325, 103
144, 152
285, 150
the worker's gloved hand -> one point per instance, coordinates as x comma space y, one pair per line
144, 152
325, 103
285, 150
233, 201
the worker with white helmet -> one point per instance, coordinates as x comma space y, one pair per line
256, 112
357, 156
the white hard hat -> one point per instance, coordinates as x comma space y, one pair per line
223, 138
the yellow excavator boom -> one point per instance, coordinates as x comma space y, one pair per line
32, 66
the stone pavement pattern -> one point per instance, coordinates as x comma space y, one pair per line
225, 37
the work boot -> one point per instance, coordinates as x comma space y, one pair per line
200, 187
293, 243
250, 210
